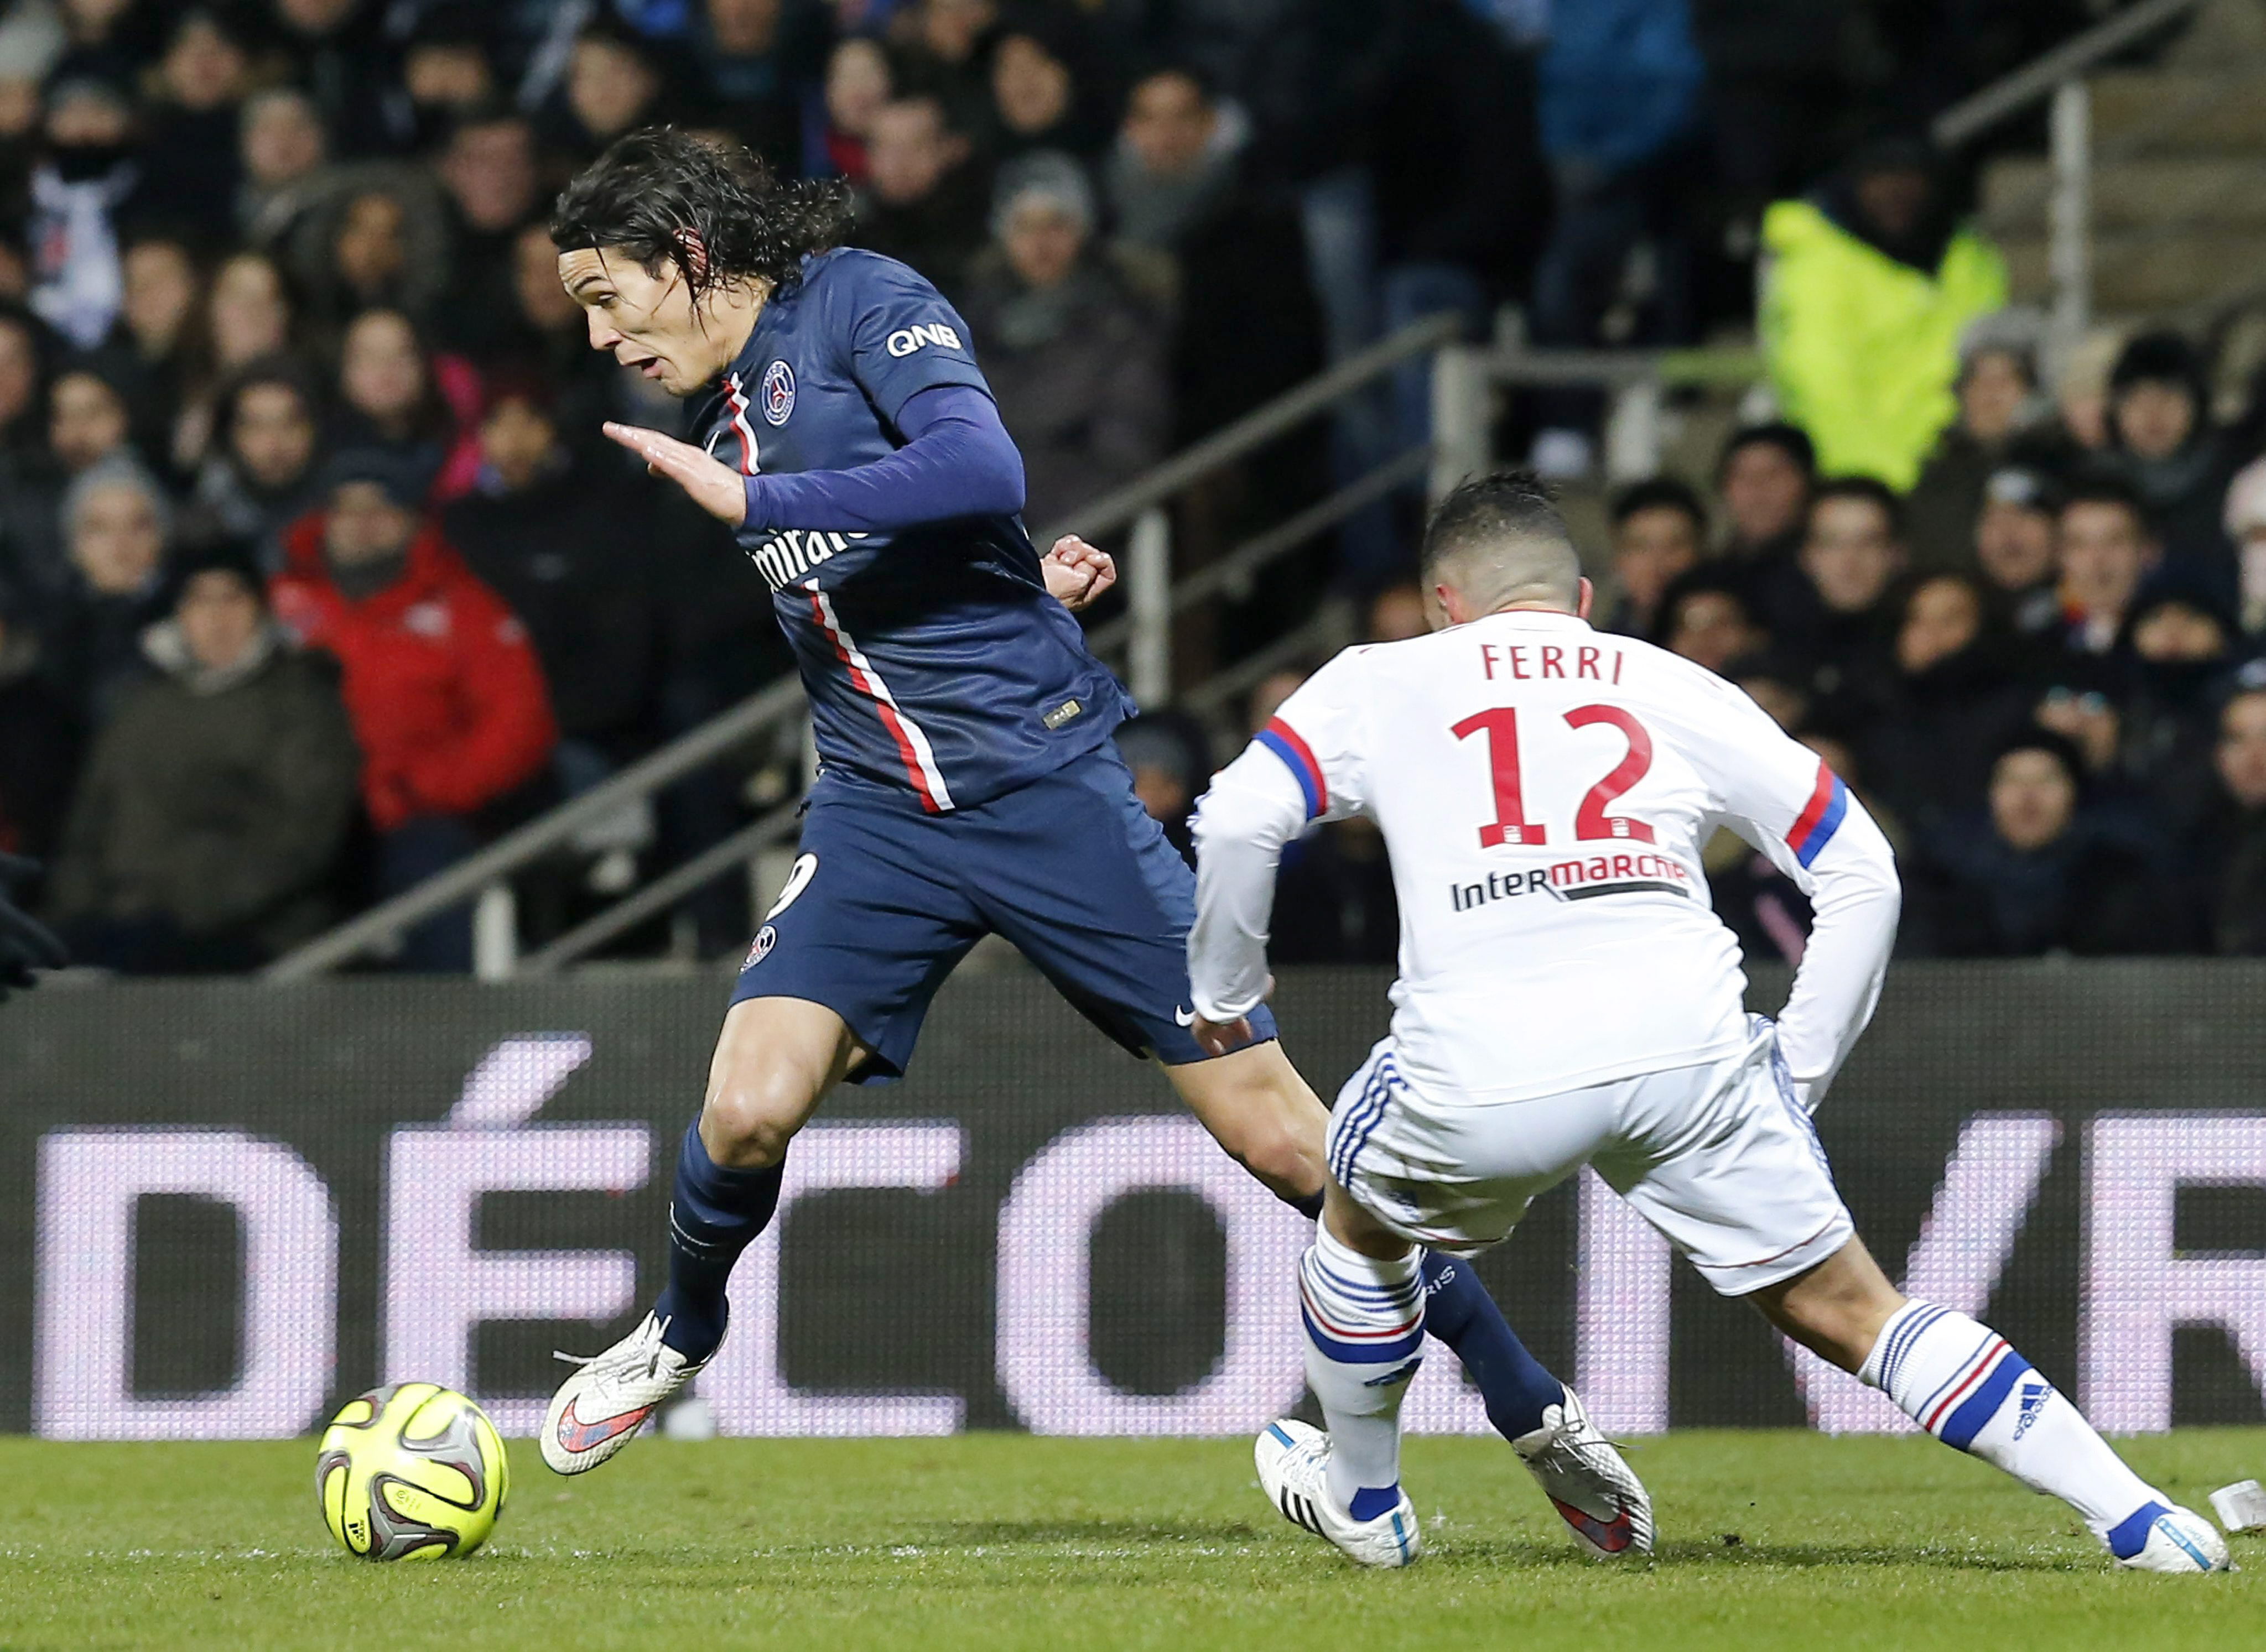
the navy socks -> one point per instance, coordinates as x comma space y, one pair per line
1459, 1311
714, 1213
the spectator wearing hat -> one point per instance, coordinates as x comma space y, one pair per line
1073, 355
1867, 289
551, 532
2014, 537
2163, 446
440, 683
215, 803
39, 738
86, 181
260, 476
1660, 532
1998, 391
117, 525
2032, 874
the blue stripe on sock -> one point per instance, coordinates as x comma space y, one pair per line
2128, 1536
1358, 1353
1981, 1406
1966, 1368
1892, 1357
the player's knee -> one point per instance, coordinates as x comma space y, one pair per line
1287, 1159
749, 1122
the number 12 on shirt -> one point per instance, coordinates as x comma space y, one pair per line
1511, 825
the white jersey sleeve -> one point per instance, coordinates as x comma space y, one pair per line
1780, 797
1305, 766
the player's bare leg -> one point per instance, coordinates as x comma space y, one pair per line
775, 1060
1960, 1381
1266, 1117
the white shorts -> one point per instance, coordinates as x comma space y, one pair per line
1719, 1158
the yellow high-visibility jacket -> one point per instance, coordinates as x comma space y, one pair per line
1862, 351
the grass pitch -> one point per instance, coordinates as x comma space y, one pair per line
1768, 1541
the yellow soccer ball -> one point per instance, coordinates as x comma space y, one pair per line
412, 1472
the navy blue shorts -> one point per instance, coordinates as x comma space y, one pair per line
884, 899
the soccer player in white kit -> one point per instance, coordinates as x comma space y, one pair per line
1567, 996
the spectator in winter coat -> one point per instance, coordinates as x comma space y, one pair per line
2034, 876
118, 523
1865, 292
261, 477
1705, 618
1952, 701
548, 531
80, 191
2104, 549
923, 203
215, 803
1843, 624
447, 700
1997, 387
2224, 855
189, 160
2163, 446
39, 740
1247, 328
1763, 481
2013, 539
1073, 357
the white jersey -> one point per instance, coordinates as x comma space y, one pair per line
1545, 790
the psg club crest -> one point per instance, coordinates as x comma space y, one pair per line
766, 938
778, 392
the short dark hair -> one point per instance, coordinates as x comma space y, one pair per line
2102, 487
1871, 490
1790, 440
1660, 493
1514, 503
657, 193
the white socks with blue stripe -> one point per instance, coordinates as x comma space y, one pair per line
1364, 1323
1960, 1381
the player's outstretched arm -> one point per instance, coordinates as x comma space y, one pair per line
1077, 573
1254, 808
26, 944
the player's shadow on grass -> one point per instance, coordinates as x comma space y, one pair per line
969, 1533
1714, 1552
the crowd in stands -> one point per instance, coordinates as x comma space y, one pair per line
314, 575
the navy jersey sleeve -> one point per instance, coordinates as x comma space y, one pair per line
903, 338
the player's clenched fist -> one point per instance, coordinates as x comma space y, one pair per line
1076, 573
710, 484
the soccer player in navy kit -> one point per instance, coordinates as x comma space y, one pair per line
968, 783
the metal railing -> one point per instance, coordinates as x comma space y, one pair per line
2058, 76
1142, 638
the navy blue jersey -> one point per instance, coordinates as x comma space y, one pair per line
935, 660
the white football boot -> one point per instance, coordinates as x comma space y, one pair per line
600, 1408
1294, 1460
1604, 1505
2179, 1540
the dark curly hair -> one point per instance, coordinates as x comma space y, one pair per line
654, 193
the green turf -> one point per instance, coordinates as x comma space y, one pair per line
999, 1542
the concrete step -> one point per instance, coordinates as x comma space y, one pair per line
2142, 269
2221, 192
2184, 113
